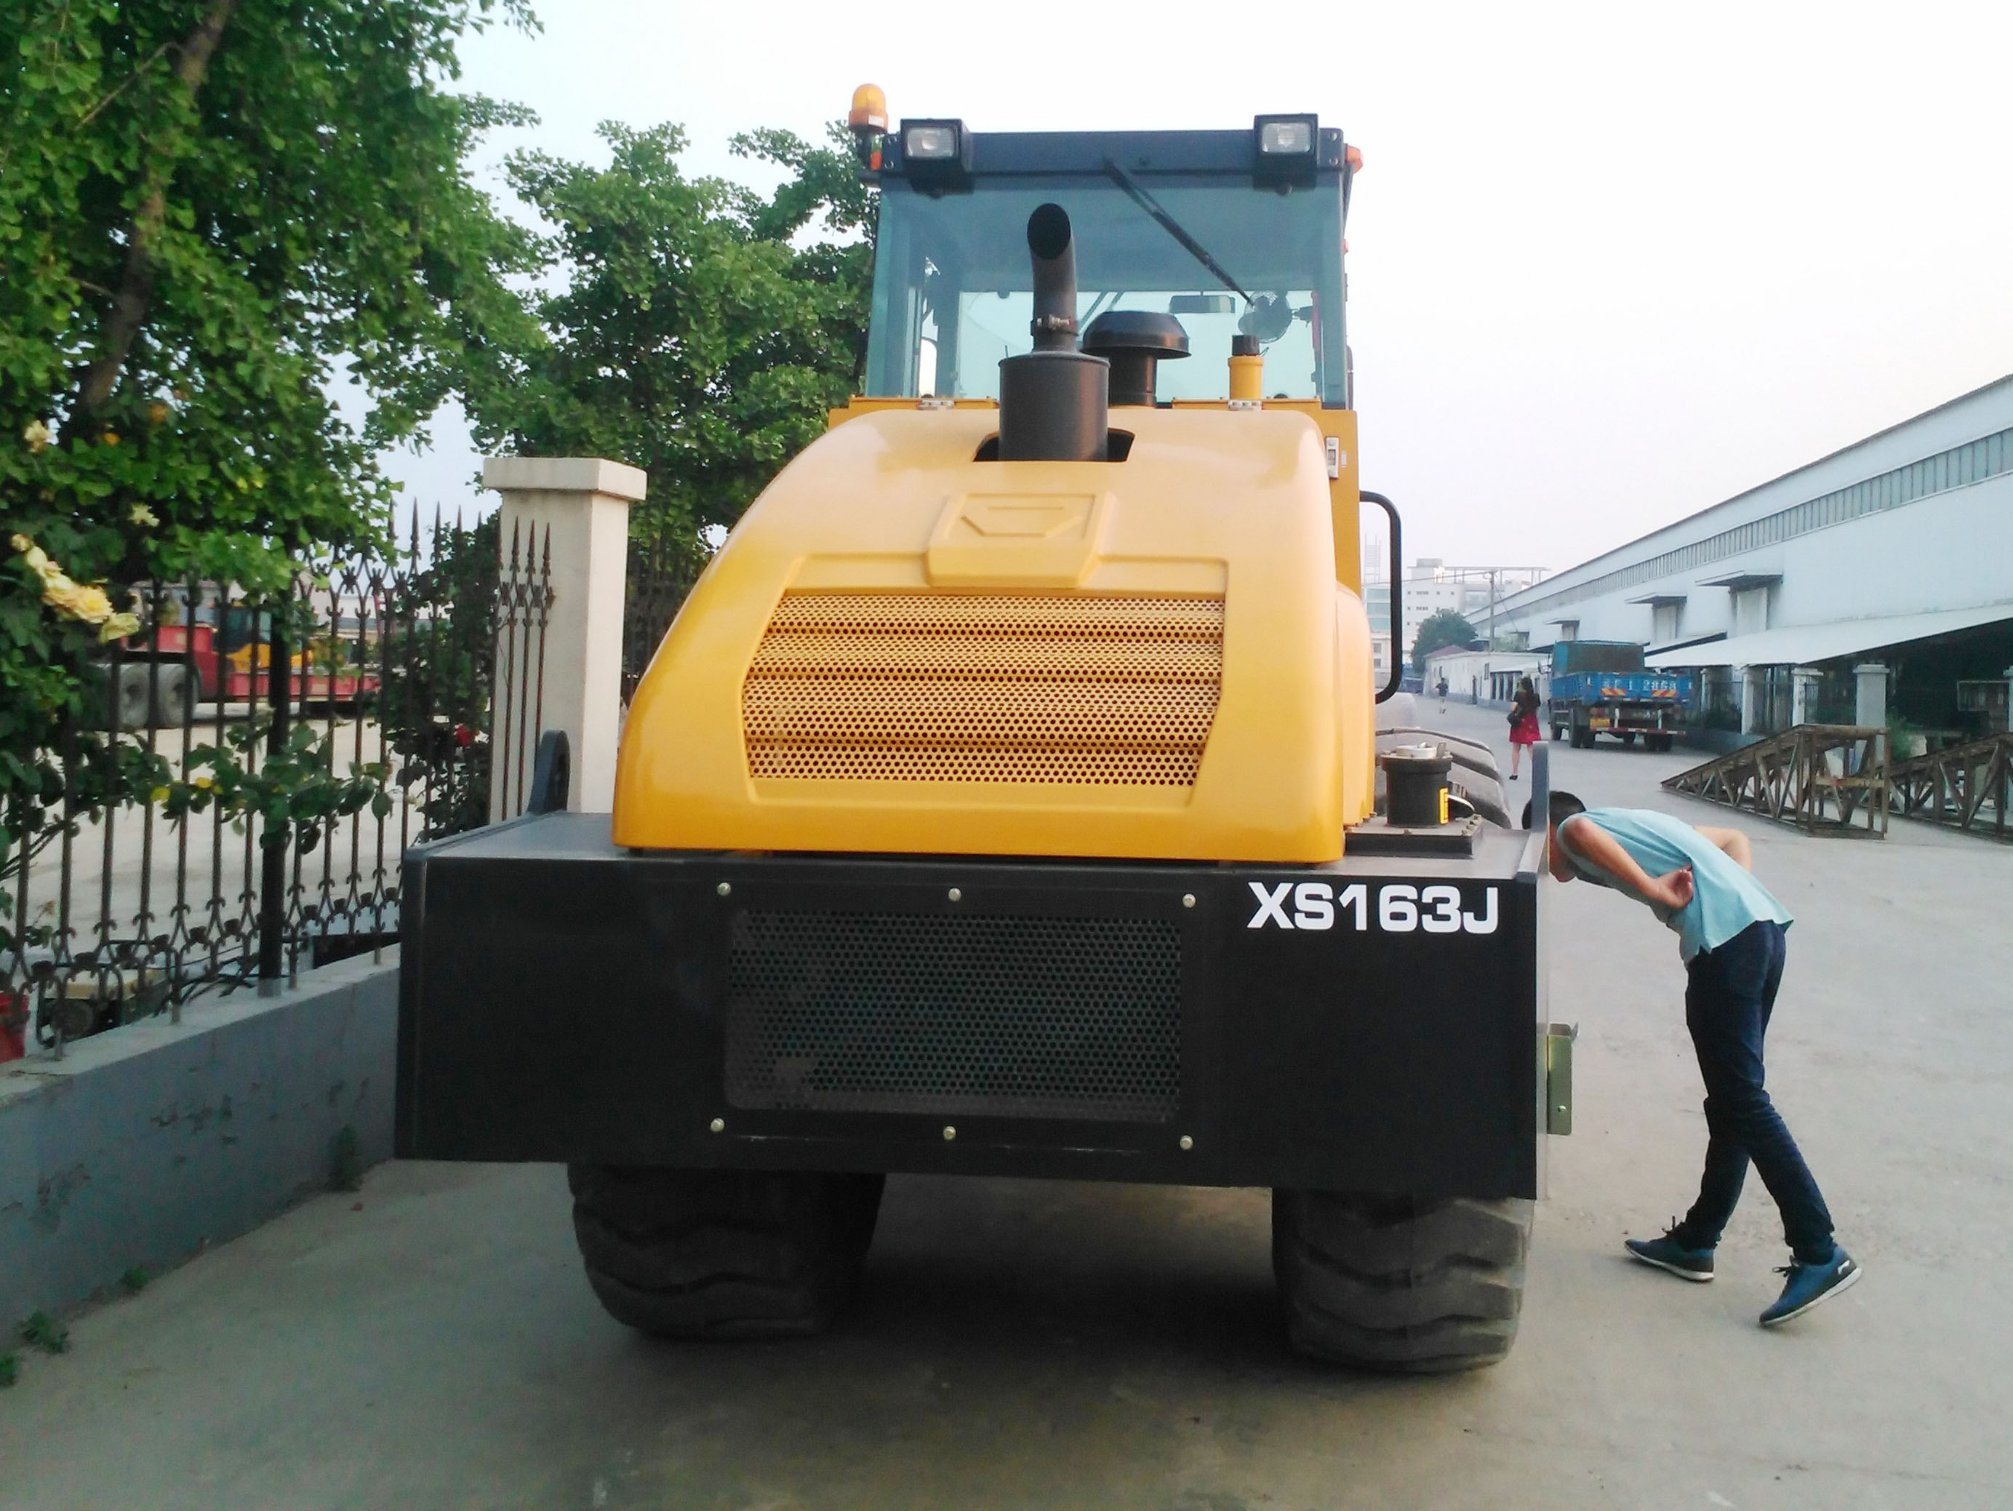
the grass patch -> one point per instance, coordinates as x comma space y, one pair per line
135, 1280
10, 1368
40, 1330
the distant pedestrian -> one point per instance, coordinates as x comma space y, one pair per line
1442, 690
1730, 935
1523, 722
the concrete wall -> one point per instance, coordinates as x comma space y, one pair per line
145, 1144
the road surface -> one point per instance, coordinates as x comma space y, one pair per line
431, 1342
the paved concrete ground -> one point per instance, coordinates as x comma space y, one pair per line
1023, 1344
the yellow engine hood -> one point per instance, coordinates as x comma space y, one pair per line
901, 649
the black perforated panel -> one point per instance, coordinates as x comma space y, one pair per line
1022, 1017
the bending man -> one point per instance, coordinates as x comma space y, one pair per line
1730, 935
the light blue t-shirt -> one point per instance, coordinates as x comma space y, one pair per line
1725, 898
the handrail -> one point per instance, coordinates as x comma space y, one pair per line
1397, 676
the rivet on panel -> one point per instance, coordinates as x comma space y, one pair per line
718, 1125
956, 895
1187, 1142
949, 1133
724, 889
1188, 899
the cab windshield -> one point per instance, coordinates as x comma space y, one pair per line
952, 287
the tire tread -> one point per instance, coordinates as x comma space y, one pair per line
721, 1254
1400, 1286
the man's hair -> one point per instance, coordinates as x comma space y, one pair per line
1563, 806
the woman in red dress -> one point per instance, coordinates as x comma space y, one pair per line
1523, 722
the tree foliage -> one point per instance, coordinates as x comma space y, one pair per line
1440, 629
696, 328
211, 211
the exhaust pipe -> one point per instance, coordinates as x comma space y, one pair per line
1054, 400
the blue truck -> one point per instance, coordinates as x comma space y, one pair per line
1600, 687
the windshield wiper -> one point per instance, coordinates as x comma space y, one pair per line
1172, 227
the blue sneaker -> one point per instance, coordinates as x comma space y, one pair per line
1666, 1253
1809, 1284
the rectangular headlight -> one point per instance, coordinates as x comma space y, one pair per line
929, 143
1287, 148
1294, 137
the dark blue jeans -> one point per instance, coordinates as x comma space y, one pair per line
1727, 1004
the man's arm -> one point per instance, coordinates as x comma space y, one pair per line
1735, 844
1593, 844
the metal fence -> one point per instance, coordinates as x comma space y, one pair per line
235, 803
661, 573
522, 597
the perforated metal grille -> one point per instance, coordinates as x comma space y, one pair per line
984, 688
1024, 1017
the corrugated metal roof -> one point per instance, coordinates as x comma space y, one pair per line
1807, 644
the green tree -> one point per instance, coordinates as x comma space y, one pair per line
211, 211
697, 329
1441, 628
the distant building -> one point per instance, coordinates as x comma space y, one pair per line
1430, 586
1484, 676
1877, 579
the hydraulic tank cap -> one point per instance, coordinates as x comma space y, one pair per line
1415, 784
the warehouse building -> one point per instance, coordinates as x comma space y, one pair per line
1872, 586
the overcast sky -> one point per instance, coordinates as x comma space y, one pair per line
1609, 263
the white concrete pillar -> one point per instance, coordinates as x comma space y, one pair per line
1872, 710
584, 503
1804, 682
1753, 698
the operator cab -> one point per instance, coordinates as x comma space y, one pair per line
1214, 234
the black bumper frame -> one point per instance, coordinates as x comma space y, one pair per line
563, 999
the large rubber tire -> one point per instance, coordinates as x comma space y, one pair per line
173, 695
126, 697
723, 1253
1399, 1285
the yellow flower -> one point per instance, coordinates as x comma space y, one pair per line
142, 515
205, 783
157, 412
110, 438
118, 627
158, 795
78, 600
37, 435
36, 559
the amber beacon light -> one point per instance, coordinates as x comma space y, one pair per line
869, 115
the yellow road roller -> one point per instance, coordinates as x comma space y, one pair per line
1008, 799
